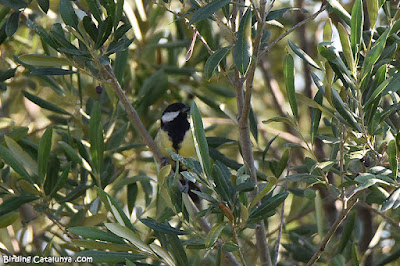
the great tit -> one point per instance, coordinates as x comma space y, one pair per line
175, 133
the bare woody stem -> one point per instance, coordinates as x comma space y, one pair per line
244, 129
350, 204
133, 115
298, 25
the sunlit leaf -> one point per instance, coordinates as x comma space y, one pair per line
68, 14
208, 10
45, 104
13, 203
357, 20
241, 50
214, 60
303, 55
288, 73
200, 140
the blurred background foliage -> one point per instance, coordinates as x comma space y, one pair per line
77, 179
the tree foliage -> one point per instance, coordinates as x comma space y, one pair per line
297, 140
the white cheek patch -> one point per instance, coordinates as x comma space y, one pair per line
168, 117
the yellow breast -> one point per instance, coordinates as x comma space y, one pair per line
186, 148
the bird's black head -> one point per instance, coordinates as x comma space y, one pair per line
174, 120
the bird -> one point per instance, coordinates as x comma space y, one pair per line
175, 135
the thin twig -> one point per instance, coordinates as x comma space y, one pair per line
177, 14
390, 220
5, 251
278, 241
244, 130
348, 205
272, 44
235, 237
132, 114
252, 68
61, 226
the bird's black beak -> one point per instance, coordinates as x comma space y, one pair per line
186, 109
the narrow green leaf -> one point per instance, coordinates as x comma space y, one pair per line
297, 50
372, 7
96, 138
368, 183
44, 5
43, 60
340, 11
346, 47
200, 141
283, 12
109, 257
393, 199
253, 124
374, 54
42, 33
357, 20
68, 14
52, 71
105, 29
222, 186
119, 9
288, 73
96, 10
207, 10
163, 228
398, 141
12, 23
8, 218
343, 111
12, 204
282, 163
111, 204
328, 51
45, 104
214, 233
129, 235
214, 60
316, 116
396, 27
319, 214
14, 4
271, 184
61, 180
266, 207
90, 28
347, 231
377, 92
22, 156
163, 254
44, 153
230, 247
177, 250
75, 157
93, 233
7, 74
392, 152
393, 86
120, 45
268, 146
327, 36
281, 120
241, 51
92, 244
